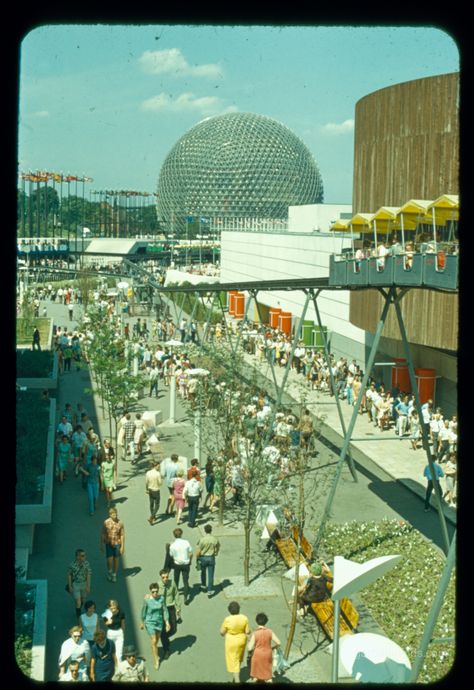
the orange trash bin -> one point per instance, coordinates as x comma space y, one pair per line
426, 383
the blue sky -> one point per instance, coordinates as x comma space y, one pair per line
110, 101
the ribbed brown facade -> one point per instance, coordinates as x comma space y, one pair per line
407, 147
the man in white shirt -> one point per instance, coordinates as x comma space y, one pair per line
75, 673
192, 492
182, 554
64, 428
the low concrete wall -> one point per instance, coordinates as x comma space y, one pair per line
39, 629
41, 512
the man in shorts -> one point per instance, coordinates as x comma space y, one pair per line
113, 539
79, 579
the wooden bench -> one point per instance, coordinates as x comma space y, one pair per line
289, 551
324, 612
305, 546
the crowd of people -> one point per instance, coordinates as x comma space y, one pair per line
96, 648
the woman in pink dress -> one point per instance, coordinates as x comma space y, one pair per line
178, 487
261, 642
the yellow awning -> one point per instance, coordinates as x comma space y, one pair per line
340, 225
362, 222
414, 212
445, 207
386, 219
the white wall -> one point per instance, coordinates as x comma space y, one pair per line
252, 255
314, 217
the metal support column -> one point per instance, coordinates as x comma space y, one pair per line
378, 332
424, 433
333, 387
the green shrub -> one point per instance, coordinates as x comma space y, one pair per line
31, 364
32, 414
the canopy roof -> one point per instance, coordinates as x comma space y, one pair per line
444, 208
408, 216
340, 225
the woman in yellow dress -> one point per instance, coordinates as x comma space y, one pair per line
236, 630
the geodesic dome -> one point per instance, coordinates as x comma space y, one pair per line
238, 165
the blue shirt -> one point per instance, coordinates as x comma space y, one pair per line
402, 408
438, 471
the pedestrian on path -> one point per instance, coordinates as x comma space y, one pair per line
79, 439
182, 554
103, 658
438, 472
178, 489
75, 648
171, 468
79, 579
192, 493
93, 482
64, 455
113, 539
75, 673
261, 643
139, 433
108, 472
450, 471
36, 340
207, 550
169, 591
114, 619
153, 482
131, 669
129, 433
89, 621
153, 377
235, 629
154, 617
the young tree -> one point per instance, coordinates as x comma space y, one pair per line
110, 363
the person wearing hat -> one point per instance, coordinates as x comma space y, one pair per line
315, 589
131, 669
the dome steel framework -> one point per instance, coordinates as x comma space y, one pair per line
238, 165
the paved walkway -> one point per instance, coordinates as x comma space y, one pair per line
197, 648
393, 455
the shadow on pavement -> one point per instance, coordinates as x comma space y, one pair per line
180, 644
131, 571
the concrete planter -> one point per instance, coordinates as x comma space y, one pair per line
40, 513
49, 382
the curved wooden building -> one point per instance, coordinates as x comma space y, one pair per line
407, 147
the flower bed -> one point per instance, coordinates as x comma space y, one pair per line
32, 416
400, 601
34, 364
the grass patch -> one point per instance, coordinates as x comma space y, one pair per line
400, 601
25, 327
32, 415
31, 364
